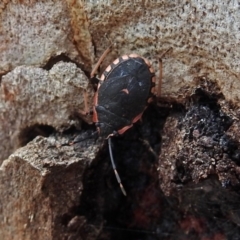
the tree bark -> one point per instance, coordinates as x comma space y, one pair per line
179, 164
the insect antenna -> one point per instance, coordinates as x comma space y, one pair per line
114, 167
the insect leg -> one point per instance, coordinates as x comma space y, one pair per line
83, 137
147, 144
160, 78
114, 167
159, 84
93, 73
80, 138
86, 110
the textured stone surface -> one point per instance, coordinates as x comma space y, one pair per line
39, 185
32, 32
31, 96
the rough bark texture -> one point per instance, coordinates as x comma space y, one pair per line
179, 165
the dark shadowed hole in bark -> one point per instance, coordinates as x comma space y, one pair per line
29, 133
64, 58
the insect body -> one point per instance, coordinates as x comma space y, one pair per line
124, 90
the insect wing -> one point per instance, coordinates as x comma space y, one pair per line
126, 95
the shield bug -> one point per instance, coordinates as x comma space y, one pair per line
123, 93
